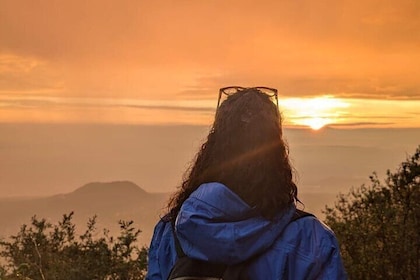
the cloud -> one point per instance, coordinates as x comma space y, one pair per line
315, 112
195, 29
181, 50
27, 75
360, 124
42, 102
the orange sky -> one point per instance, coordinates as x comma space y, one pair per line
342, 63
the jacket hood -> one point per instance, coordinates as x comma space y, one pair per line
214, 224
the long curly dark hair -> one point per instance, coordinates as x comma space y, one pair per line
246, 152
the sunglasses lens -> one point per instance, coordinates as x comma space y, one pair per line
268, 91
230, 90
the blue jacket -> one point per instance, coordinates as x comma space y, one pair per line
214, 224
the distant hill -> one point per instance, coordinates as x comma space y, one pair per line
119, 187
111, 202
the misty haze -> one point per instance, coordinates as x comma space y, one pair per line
47, 169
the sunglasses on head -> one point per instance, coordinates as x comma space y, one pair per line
271, 92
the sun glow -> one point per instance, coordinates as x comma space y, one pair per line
316, 122
314, 112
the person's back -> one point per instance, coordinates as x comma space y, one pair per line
237, 203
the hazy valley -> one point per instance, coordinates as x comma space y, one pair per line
111, 202
44, 169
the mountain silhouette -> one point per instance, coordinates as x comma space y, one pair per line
109, 201
109, 188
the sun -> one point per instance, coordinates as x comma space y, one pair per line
315, 112
316, 123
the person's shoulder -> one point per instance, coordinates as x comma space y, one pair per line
161, 254
309, 231
162, 237
313, 242
313, 221
162, 228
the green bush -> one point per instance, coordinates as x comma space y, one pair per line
378, 226
45, 251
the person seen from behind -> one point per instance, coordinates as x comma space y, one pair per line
238, 202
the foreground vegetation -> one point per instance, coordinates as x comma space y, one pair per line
377, 225
45, 251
